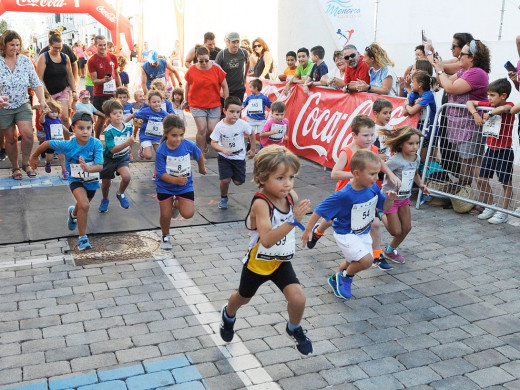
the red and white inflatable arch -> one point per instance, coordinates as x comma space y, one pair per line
98, 9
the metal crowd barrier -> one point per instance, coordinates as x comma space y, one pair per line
461, 161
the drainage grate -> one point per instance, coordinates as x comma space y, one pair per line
115, 247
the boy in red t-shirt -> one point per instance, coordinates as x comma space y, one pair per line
499, 155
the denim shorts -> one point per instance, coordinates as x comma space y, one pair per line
210, 113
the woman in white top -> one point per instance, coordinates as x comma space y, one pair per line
383, 79
335, 77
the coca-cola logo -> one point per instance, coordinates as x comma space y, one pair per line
41, 3
109, 15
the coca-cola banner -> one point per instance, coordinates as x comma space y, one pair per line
319, 123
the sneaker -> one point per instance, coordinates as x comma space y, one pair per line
223, 204
303, 344
72, 222
344, 285
226, 327
487, 213
83, 243
140, 153
2, 154
394, 256
165, 242
382, 264
65, 174
103, 207
123, 201
315, 238
332, 283
498, 218
48, 167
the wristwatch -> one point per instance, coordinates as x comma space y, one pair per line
294, 222
369, 88
429, 53
440, 72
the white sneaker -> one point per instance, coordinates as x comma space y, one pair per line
487, 213
499, 217
515, 221
165, 242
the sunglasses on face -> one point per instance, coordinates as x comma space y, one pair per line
348, 57
203, 61
464, 54
257, 45
453, 47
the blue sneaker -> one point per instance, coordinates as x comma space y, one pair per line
223, 203
382, 264
303, 344
72, 222
344, 285
123, 201
332, 283
83, 243
103, 207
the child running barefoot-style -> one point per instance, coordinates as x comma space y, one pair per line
271, 221
53, 128
174, 181
84, 160
353, 210
118, 140
403, 143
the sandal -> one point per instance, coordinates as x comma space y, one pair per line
18, 175
28, 170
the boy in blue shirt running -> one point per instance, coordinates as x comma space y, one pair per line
256, 104
353, 209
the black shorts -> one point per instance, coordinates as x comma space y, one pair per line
99, 100
78, 184
251, 281
111, 165
499, 161
161, 197
234, 169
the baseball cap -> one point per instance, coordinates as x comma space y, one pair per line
153, 57
84, 93
233, 36
82, 116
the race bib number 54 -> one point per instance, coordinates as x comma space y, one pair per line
362, 215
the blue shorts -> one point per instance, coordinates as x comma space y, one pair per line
234, 169
499, 161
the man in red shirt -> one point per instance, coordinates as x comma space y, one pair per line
356, 68
102, 67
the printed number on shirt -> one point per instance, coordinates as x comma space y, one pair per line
109, 86
234, 143
492, 126
120, 141
282, 251
362, 215
178, 166
280, 131
56, 131
255, 106
154, 129
78, 173
406, 182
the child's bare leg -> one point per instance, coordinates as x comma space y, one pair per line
405, 225
224, 186
295, 302
147, 153
186, 207
61, 158
324, 225
485, 193
124, 172
105, 187
508, 194
344, 266
235, 302
81, 209
166, 215
357, 266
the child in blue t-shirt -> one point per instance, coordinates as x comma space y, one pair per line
53, 129
151, 130
83, 160
319, 69
123, 95
353, 210
118, 140
420, 98
256, 104
174, 181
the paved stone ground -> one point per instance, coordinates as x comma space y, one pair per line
447, 319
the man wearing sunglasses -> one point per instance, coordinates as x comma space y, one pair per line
356, 68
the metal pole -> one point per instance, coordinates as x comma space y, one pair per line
375, 19
501, 20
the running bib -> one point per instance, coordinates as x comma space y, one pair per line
56, 131
255, 106
406, 182
179, 112
280, 132
109, 87
234, 143
178, 166
78, 173
120, 141
492, 126
283, 250
154, 129
362, 215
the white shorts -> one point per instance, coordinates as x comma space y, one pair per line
256, 124
354, 246
148, 144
